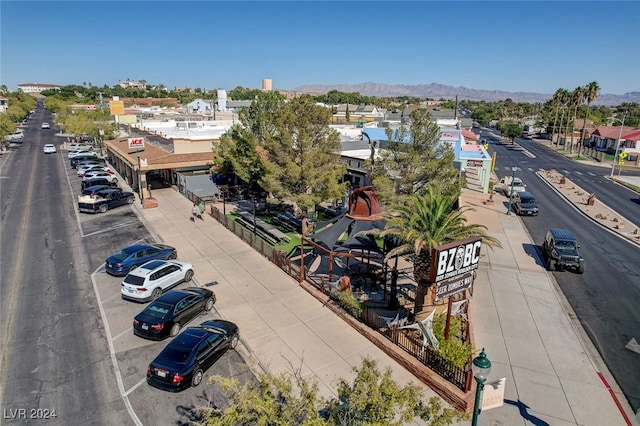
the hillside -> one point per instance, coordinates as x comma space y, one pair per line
437, 91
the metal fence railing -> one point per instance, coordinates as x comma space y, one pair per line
462, 378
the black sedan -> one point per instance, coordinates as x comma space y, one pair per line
184, 360
166, 315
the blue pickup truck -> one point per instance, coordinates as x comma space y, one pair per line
104, 200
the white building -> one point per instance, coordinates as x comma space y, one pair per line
37, 87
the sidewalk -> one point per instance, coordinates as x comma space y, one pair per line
519, 316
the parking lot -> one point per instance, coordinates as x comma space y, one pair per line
103, 234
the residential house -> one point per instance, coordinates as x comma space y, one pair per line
4, 104
605, 138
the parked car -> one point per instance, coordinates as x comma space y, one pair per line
88, 168
165, 316
184, 360
92, 190
97, 181
504, 186
79, 152
80, 158
49, 148
524, 203
79, 147
149, 280
45, 125
560, 250
92, 162
111, 177
130, 257
18, 135
104, 200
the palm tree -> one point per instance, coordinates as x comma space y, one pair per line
423, 223
591, 92
575, 99
556, 101
564, 100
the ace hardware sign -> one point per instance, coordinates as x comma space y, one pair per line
452, 266
136, 143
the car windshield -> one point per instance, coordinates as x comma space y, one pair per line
568, 244
126, 252
528, 200
175, 355
134, 280
158, 310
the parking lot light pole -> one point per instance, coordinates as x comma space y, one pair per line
513, 178
481, 367
615, 156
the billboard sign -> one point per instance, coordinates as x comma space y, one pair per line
449, 287
454, 259
116, 107
136, 143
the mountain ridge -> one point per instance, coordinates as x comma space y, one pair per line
437, 91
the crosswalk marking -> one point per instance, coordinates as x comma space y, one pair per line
578, 173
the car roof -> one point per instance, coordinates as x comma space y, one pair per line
136, 247
561, 234
96, 188
109, 190
525, 194
174, 296
153, 265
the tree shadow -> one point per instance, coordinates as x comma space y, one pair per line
522, 407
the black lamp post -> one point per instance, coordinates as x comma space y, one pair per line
513, 177
481, 367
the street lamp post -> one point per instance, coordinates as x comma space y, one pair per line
139, 179
615, 156
513, 178
481, 367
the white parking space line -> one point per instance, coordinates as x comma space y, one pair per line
121, 225
114, 359
136, 386
123, 333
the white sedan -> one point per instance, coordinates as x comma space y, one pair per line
49, 148
79, 152
106, 175
93, 168
46, 125
148, 281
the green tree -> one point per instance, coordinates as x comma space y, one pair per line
591, 92
575, 99
373, 398
414, 159
296, 154
422, 223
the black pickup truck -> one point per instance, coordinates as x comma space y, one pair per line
104, 200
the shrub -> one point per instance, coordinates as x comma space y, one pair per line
453, 350
349, 302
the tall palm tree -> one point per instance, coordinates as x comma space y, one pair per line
423, 223
564, 100
591, 92
575, 99
556, 102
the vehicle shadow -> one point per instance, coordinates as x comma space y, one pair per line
535, 252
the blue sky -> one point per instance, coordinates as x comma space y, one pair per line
507, 45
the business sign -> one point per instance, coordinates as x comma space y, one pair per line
116, 107
136, 143
493, 394
449, 287
474, 163
454, 259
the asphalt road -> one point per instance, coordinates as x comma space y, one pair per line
55, 365
67, 342
605, 298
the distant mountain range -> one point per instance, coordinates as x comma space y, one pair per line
438, 91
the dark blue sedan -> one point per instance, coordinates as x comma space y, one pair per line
184, 360
129, 258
